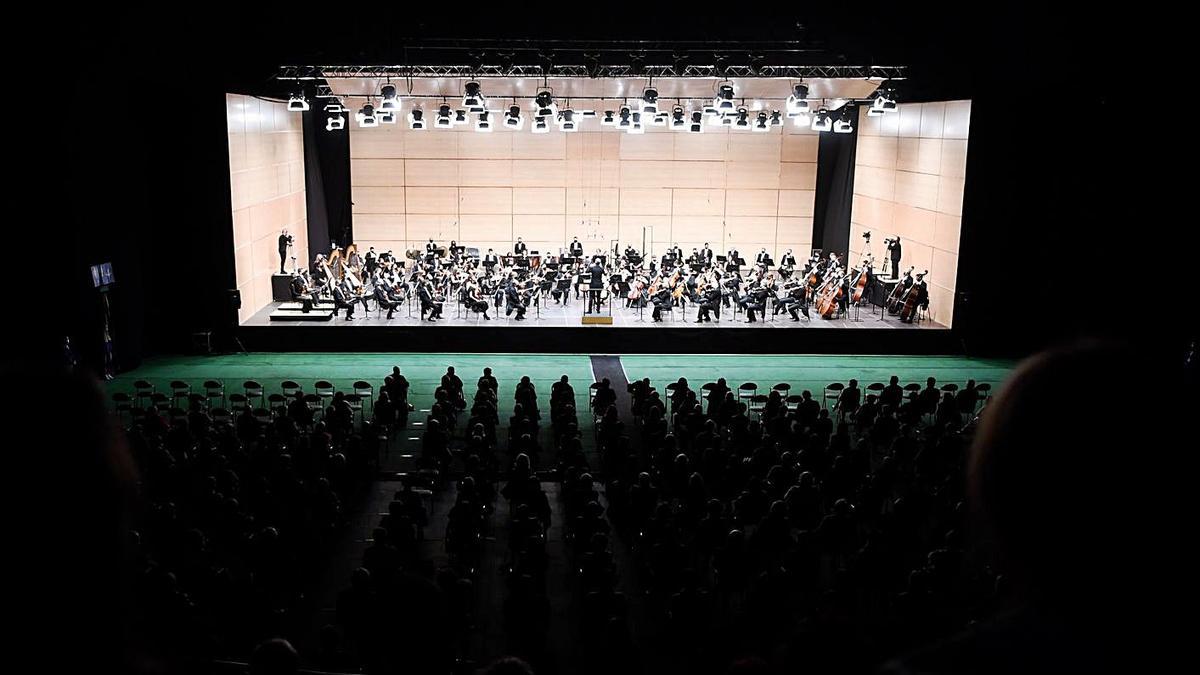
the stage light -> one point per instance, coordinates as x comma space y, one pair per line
609, 119
298, 102
723, 102
660, 119
473, 99
567, 121
335, 123
460, 118
416, 119
741, 120
544, 102
635, 123
678, 119
762, 123
884, 100
844, 125
335, 108
484, 123
513, 119
697, 124
821, 121
444, 119
626, 118
386, 117
366, 117
388, 101
540, 126
797, 103
776, 119
649, 101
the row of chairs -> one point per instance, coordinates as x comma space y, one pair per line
145, 395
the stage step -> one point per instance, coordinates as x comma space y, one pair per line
282, 314
298, 305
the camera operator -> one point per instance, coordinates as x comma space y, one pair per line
893, 247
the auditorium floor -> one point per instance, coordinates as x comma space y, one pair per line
558, 316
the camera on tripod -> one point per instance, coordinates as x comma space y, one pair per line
889, 241
867, 236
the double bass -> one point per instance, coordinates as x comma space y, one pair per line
895, 301
913, 298
828, 295
859, 286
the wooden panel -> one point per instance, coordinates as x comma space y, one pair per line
755, 147
587, 173
794, 230
422, 227
648, 201
544, 228
697, 229
698, 174
754, 203
431, 172
379, 226
762, 175
379, 143
877, 151
798, 175
378, 199
698, 202
950, 196
946, 230
479, 228
701, 147
377, 172
954, 159
539, 173
539, 200
933, 117
485, 173
485, 200
593, 146
917, 189
753, 228
958, 120
646, 174
528, 145
431, 200
431, 144
913, 223
873, 182
796, 203
592, 200
485, 146
648, 146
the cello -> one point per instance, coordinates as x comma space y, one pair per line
828, 295
913, 298
859, 287
895, 301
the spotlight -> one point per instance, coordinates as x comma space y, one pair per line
460, 117
697, 124
298, 102
513, 119
609, 119
762, 122
742, 119
884, 99
724, 99
416, 119
660, 119
540, 126
366, 117
567, 121
797, 103
678, 119
649, 103
388, 102
444, 119
626, 118
544, 102
335, 108
822, 121
473, 99
484, 123
386, 117
635, 123
844, 125
335, 123
776, 118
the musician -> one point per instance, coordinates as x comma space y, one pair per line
732, 259
676, 253
384, 297
561, 288
285, 240
430, 303
661, 300
430, 247
894, 250
475, 302
762, 257
343, 299
706, 254
595, 285
490, 260
387, 257
372, 261
513, 301
710, 303
520, 248
576, 248
695, 257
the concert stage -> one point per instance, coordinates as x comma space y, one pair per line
555, 328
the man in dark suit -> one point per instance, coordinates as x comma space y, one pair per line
514, 301
706, 253
429, 303
490, 260
285, 240
595, 285
710, 302
385, 301
576, 248
430, 247
762, 257
894, 254
342, 300
519, 248
371, 260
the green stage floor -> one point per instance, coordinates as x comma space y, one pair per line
424, 371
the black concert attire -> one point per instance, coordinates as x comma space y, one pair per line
710, 302
342, 300
761, 257
661, 300
595, 285
477, 305
491, 260
385, 301
894, 254
519, 248
576, 249
706, 254
371, 261
284, 241
429, 303
514, 302
753, 301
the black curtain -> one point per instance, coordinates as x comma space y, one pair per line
326, 183
835, 191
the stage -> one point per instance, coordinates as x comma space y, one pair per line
555, 328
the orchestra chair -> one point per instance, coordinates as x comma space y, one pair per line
214, 389
912, 388
143, 390
122, 403
875, 388
985, 394
784, 389
833, 391
253, 389
747, 391
220, 416
290, 388
238, 403
262, 416
197, 401
949, 388
356, 405
364, 390
277, 404
670, 401
794, 401
160, 401
325, 391
758, 404
706, 391
179, 389
314, 405
177, 415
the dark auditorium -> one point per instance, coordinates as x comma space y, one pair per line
602, 339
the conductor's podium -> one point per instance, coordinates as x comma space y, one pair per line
597, 320
294, 311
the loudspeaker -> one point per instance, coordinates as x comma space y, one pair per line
235, 299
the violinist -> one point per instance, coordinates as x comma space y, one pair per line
787, 263
430, 302
343, 298
513, 301
384, 297
709, 302
475, 301
661, 300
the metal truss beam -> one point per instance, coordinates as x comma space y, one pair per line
718, 71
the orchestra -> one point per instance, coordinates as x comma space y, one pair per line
524, 281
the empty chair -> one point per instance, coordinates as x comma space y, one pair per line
356, 403
985, 392
875, 388
364, 390
142, 391
833, 391
122, 403
179, 389
706, 390
314, 403
783, 388
254, 390
277, 403
214, 389
160, 401
794, 401
289, 388
758, 403
746, 391
324, 390
238, 402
